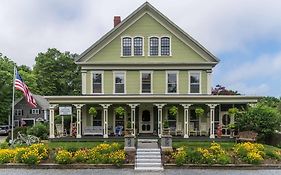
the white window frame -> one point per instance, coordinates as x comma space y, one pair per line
133, 43
114, 76
132, 46
169, 43
172, 72
92, 81
151, 82
35, 111
17, 112
149, 46
189, 82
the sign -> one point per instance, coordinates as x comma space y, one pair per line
65, 110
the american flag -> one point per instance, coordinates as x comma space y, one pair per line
20, 85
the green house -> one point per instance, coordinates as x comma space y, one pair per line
149, 67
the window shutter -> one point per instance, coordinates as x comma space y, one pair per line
30, 111
22, 112
39, 111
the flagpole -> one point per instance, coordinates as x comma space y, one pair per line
13, 106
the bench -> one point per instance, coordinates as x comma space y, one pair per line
93, 130
246, 136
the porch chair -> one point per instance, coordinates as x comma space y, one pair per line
192, 131
179, 129
203, 129
118, 130
59, 130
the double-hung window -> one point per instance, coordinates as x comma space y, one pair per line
97, 82
127, 46
194, 79
119, 82
18, 112
165, 46
138, 45
146, 80
35, 111
154, 46
172, 82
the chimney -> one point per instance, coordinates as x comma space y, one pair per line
117, 20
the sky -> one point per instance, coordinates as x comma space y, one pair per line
244, 34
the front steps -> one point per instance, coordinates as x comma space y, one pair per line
148, 156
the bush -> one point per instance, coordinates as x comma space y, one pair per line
7, 155
252, 153
180, 156
117, 158
4, 145
22, 130
42, 150
81, 156
39, 130
31, 157
63, 157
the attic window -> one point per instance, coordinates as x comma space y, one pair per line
138, 46
127, 46
154, 46
165, 46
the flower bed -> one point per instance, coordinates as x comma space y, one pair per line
37, 153
251, 153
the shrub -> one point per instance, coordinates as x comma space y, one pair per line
63, 157
20, 151
252, 153
42, 150
7, 155
39, 130
117, 158
272, 154
180, 156
81, 156
4, 145
31, 157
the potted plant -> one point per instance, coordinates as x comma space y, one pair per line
173, 111
166, 129
93, 112
232, 111
129, 129
199, 112
120, 111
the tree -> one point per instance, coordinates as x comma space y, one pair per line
221, 90
57, 74
6, 89
262, 119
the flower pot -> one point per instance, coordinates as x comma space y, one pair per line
166, 131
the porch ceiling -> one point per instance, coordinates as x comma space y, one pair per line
192, 99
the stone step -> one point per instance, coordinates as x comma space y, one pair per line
148, 150
149, 164
147, 140
153, 160
148, 154
148, 157
149, 168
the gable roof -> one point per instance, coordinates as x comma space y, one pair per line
148, 8
40, 100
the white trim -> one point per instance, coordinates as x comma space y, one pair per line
150, 109
121, 43
200, 82
151, 82
177, 74
29, 119
16, 112
148, 54
84, 81
114, 74
209, 82
35, 111
102, 81
170, 38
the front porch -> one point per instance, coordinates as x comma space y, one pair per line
147, 116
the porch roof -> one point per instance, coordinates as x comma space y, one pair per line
153, 98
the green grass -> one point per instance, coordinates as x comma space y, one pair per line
73, 146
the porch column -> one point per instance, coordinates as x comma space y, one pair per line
160, 115
78, 114
133, 117
105, 120
186, 120
52, 120
212, 120
45, 115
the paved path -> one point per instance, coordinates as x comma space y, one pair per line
130, 171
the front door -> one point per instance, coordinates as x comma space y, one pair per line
146, 121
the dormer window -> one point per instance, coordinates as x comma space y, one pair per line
127, 46
154, 46
138, 45
165, 46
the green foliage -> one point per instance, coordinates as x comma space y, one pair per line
63, 157
93, 112
262, 119
173, 111
39, 130
120, 111
4, 145
57, 73
166, 123
199, 112
233, 111
252, 153
129, 124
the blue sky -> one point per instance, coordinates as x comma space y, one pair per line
244, 34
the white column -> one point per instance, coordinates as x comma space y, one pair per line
209, 81
186, 120
78, 114
84, 80
105, 120
212, 120
160, 120
45, 115
52, 121
133, 117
